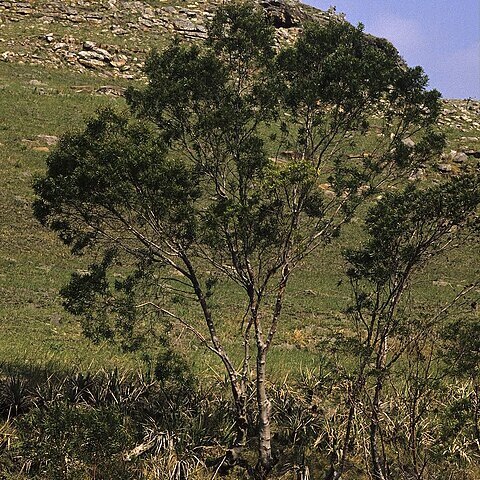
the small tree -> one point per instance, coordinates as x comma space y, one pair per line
195, 187
406, 229
462, 354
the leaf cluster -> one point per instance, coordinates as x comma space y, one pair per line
407, 227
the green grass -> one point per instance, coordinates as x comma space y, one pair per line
38, 337
34, 265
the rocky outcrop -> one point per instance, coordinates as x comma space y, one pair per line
291, 14
111, 38
461, 114
66, 33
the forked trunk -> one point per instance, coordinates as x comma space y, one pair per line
233, 456
241, 421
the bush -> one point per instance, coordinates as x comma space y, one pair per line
76, 442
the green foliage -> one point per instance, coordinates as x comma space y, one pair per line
107, 424
462, 344
405, 228
199, 179
338, 66
70, 442
114, 168
241, 33
170, 366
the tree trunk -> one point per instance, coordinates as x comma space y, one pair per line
476, 412
378, 466
376, 463
265, 459
241, 421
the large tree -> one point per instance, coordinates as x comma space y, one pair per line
235, 162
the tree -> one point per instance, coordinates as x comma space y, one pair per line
406, 229
219, 171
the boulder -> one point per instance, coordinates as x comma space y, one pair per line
48, 139
94, 64
282, 14
408, 142
444, 168
472, 153
90, 55
184, 25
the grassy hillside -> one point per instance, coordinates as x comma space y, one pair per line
35, 102
42, 97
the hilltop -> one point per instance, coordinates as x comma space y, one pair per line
113, 37
110, 39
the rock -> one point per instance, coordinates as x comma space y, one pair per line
94, 64
118, 30
170, 10
118, 61
48, 139
90, 55
89, 45
184, 25
82, 88
417, 175
460, 157
281, 14
7, 56
70, 58
105, 53
129, 17
60, 46
111, 90
408, 142
454, 156
148, 13
444, 167
146, 22
472, 153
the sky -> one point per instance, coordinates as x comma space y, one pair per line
443, 36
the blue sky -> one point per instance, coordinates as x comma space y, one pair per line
443, 36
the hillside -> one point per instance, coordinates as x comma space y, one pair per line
112, 38
59, 62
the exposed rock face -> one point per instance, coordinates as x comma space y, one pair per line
111, 38
128, 30
283, 14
